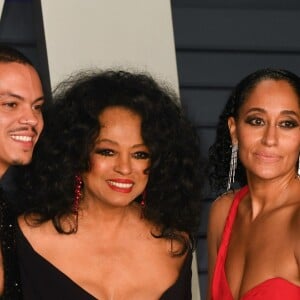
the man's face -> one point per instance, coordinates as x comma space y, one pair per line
21, 121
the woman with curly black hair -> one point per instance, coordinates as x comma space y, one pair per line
253, 231
114, 191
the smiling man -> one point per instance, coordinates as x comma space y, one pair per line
21, 122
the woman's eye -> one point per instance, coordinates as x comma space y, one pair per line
141, 155
255, 121
105, 152
288, 124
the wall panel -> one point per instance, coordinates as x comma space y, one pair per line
217, 43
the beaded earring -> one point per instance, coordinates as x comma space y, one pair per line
233, 165
143, 202
77, 193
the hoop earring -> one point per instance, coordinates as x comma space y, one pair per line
77, 193
233, 165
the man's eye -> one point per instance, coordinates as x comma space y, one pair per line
38, 107
10, 104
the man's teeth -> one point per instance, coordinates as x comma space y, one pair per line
22, 138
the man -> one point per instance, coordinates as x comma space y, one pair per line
21, 122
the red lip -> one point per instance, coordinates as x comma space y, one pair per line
121, 180
120, 185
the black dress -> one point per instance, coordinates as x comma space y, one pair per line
42, 281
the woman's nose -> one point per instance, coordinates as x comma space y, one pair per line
123, 165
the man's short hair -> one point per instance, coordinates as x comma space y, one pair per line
10, 55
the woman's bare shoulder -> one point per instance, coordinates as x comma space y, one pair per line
218, 214
35, 231
221, 205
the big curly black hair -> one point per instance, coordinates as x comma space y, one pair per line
72, 126
220, 151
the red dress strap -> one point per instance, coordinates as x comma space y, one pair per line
219, 286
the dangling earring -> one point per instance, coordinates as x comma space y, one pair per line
77, 193
143, 202
233, 165
299, 167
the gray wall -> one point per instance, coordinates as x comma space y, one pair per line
21, 26
217, 43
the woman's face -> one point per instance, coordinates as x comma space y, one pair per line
119, 159
267, 130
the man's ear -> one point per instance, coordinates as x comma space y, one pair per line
232, 130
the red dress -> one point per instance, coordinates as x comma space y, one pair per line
271, 289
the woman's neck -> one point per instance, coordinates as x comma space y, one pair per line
265, 195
